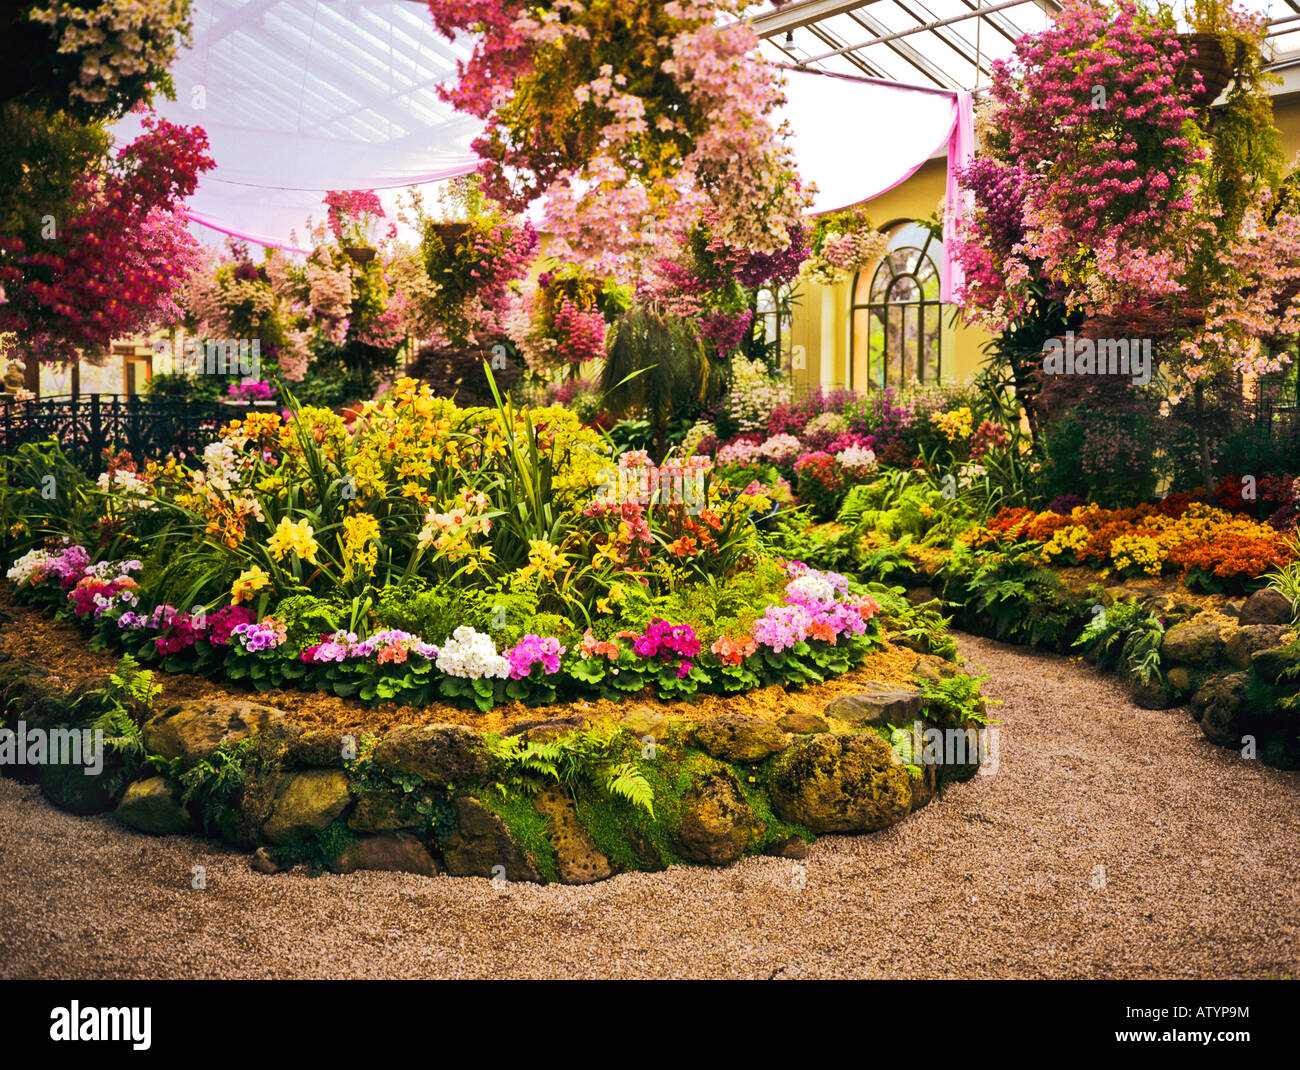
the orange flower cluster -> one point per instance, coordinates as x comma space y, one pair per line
1231, 556
1179, 533
733, 651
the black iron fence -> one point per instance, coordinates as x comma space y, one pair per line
89, 425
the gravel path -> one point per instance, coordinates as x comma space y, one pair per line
996, 879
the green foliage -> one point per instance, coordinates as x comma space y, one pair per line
1012, 596
656, 367
214, 783
712, 607
954, 700
580, 756
307, 618
1125, 636
317, 851
45, 496
1286, 579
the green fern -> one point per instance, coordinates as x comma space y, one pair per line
582, 756
626, 781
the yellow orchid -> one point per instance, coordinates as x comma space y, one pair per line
250, 581
294, 538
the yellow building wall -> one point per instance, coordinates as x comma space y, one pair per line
821, 324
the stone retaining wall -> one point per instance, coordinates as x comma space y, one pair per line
441, 798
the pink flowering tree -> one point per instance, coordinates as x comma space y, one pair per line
112, 263
1104, 199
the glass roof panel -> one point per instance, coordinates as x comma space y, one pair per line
946, 44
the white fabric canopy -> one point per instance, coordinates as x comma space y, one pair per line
856, 138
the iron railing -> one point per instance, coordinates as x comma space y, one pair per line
91, 426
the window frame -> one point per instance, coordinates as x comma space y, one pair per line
880, 308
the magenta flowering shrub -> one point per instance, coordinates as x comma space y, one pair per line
668, 642
178, 629
791, 417
255, 391
223, 622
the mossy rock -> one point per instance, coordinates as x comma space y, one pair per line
577, 858
1273, 665
393, 852
733, 737
150, 805
482, 842
306, 803
717, 825
72, 788
193, 730
840, 783
441, 755
1221, 703
1198, 645
387, 811
315, 749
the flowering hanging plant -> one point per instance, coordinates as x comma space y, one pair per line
842, 243
628, 119
474, 256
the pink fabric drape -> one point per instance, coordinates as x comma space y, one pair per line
961, 150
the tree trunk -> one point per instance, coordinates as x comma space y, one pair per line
1203, 439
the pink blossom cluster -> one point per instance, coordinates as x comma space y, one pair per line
595, 150
668, 642
534, 650
387, 645
1098, 177
580, 332
817, 606
112, 267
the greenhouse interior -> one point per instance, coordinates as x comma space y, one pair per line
592, 489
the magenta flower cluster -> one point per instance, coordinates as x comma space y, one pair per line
668, 642
534, 650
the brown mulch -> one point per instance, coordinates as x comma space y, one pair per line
59, 647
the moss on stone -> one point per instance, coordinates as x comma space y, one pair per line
526, 826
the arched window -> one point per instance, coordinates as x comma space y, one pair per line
896, 315
770, 335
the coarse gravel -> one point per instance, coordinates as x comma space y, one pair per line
1001, 877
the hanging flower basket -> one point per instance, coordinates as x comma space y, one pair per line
449, 234
1211, 60
361, 254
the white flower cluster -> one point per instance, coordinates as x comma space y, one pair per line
826, 423
810, 588
221, 466
472, 655
859, 458
115, 41
969, 473
780, 447
699, 431
133, 491
754, 394
30, 564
